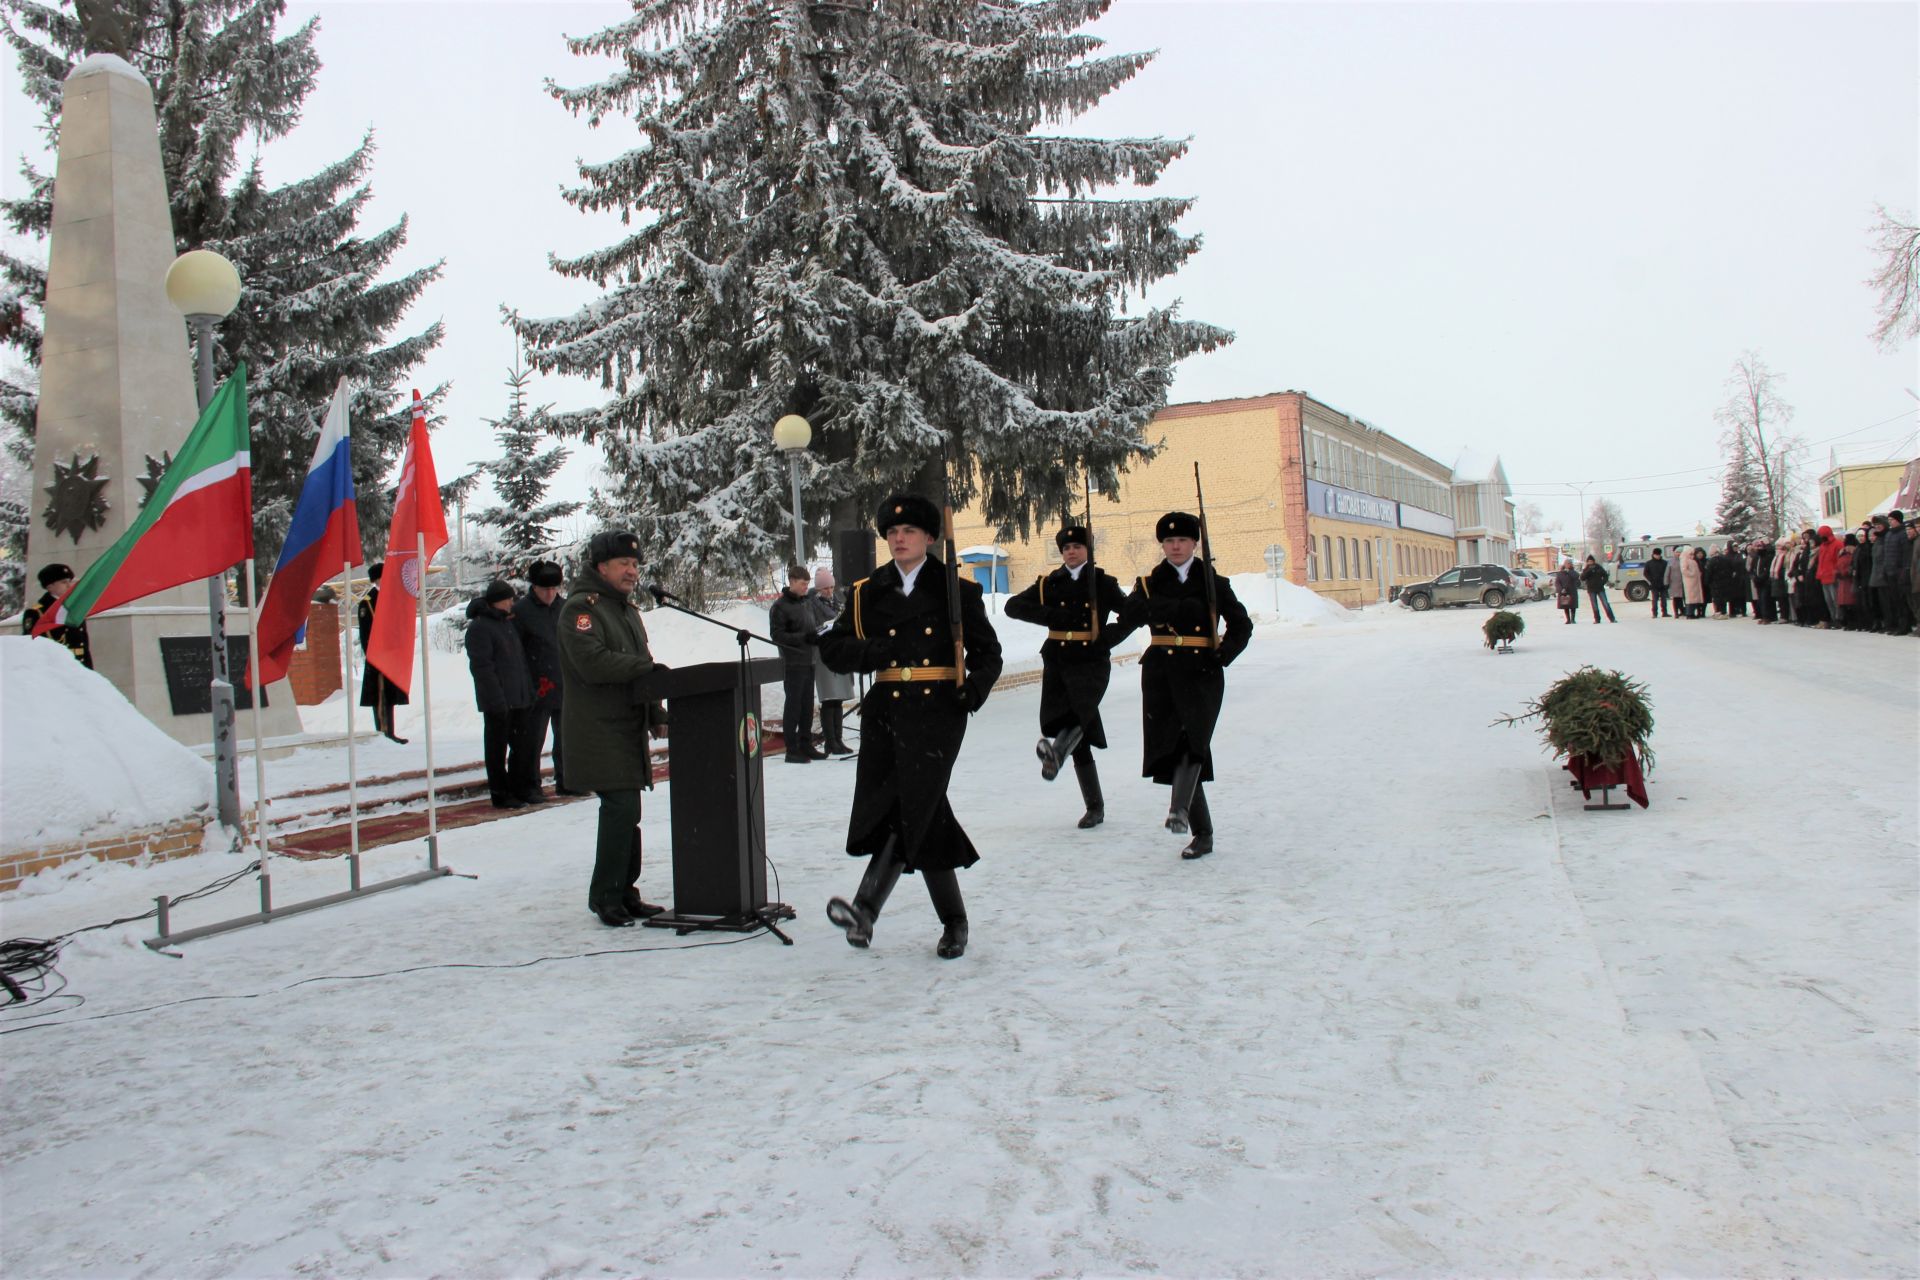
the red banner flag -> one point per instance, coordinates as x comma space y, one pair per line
417, 510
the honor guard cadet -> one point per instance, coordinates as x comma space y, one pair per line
924, 635
606, 678
1183, 602
1073, 603
56, 580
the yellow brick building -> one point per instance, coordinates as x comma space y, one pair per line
1849, 494
1348, 510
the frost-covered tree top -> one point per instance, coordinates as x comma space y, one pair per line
312, 306
520, 477
867, 213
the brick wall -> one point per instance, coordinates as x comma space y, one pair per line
315, 673
174, 840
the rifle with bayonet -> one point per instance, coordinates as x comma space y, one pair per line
1093, 569
953, 581
1206, 563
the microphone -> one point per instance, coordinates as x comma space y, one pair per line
660, 594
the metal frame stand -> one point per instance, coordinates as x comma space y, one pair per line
268, 912
767, 916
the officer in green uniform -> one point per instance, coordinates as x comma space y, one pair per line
606, 680
55, 581
898, 624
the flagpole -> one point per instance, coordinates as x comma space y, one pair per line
259, 762
426, 697
353, 775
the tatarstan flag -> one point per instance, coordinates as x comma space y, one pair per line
198, 523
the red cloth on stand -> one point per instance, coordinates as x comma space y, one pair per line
1589, 774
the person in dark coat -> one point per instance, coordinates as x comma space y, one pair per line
536, 616
1760, 574
832, 688
1655, 573
1865, 547
1566, 591
1183, 603
1896, 611
1593, 576
899, 625
790, 622
376, 691
608, 678
1810, 606
502, 688
1721, 585
1073, 603
56, 580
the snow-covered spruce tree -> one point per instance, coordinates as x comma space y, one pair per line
850, 211
1742, 513
520, 477
312, 307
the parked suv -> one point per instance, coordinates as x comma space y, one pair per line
1486, 584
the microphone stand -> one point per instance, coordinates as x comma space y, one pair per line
770, 915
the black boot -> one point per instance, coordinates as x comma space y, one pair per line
833, 718
613, 917
876, 886
1202, 820
632, 904
1089, 777
1186, 780
1052, 752
943, 887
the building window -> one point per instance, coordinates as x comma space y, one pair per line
1326, 559
1343, 557
1369, 559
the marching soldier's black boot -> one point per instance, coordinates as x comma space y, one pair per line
1202, 819
876, 886
944, 888
1052, 752
1186, 781
1089, 777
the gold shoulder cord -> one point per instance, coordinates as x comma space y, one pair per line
859, 625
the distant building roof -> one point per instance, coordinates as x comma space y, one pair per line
1473, 466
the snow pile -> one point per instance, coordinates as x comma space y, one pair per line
77, 759
1271, 600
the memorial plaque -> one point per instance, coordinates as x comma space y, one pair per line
188, 662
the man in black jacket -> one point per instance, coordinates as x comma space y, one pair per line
1656, 576
898, 624
791, 622
536, 616
1183, 673
501, 686
55, 581
1073, 603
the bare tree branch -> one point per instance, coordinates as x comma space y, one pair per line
1898, 279
1755, 415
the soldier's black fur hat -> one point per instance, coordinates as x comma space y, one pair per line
374, 570
55, 573
1074, 533
612, 544
544, 573
908, 508
1177, 524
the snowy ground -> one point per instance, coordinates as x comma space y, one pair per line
1420, 1014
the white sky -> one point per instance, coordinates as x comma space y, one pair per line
1545, 231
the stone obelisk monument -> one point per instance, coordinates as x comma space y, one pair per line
116, 389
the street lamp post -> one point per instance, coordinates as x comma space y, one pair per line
205, 288
792, 434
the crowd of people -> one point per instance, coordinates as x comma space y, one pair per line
1861, 580
1867, 579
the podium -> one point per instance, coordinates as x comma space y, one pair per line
718, 803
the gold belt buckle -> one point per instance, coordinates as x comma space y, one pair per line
906, 673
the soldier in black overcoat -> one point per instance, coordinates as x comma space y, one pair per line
376, 691
537, 616
1182, 673
1073, 604
56, 580
897, 624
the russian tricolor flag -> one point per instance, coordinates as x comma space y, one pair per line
324, 538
